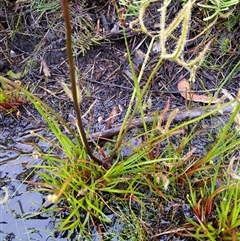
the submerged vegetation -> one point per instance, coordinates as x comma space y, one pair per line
166, 178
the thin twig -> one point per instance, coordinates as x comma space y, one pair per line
138, 122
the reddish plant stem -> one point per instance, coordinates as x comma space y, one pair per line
74, 88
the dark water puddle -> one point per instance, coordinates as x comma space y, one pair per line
17, 147
21, 203
13, 224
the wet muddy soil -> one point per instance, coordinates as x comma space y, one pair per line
33, 44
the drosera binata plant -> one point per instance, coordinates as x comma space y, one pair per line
182, 19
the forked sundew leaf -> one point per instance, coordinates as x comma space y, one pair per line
184, 32
183, 18
185, 12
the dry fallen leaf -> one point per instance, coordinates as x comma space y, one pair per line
44, 68
112, 117
184, 89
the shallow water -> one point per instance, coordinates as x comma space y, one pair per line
16, 154
19, 218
